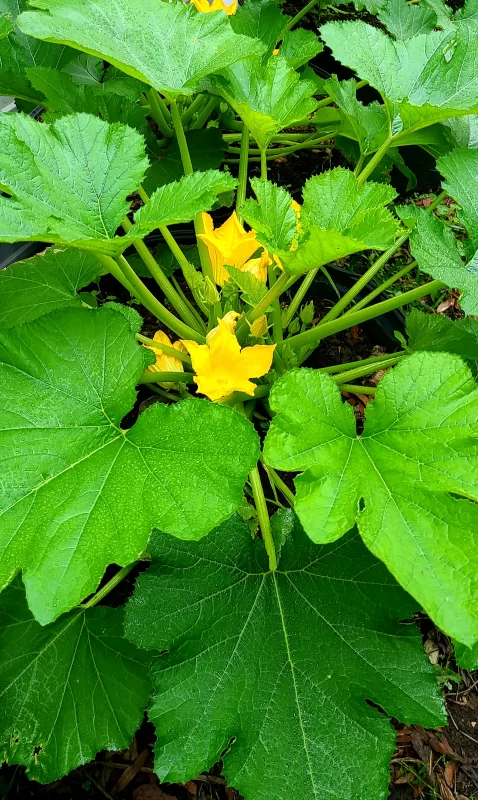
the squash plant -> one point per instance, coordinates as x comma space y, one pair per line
271, 640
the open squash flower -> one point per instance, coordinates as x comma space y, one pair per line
221, 367
258, 266
164, 361
230, 245
216, 5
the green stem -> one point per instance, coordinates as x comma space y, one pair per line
350, 387
166, 377
188, 169
299, 296
243, 171
376, 267
347, 298
315, 335
383, 286
128, 278
195, 106
157, 113
263, 516
162, 281
296, 19
185, 299
204, 115
361, 371
165, 348
275, 291
279, 484
181, 137
374, 161
373, 361
263, 165
184, 264
108, 587
276, 309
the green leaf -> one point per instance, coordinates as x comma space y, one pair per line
460, 169
260, 19
85, 69
367, 125
425, 79
38, 285
6, 25
463, 131
69, 180
299, 47
466, 657
180, 201
271, 215
404, 20
396, 480
436, 333
340, 217
206, 147
253, 290
435, 249
267, 97
68, 690
64, 95
79, 492
468, 15
271, 672
18, 52
169, 46
282, 525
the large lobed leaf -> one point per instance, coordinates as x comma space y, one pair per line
404, 481
31, 288
78, 492
67, 690
460, 169
439, 334
267, 97
69, 182
435, 248
425, 79
274, 670
169, 46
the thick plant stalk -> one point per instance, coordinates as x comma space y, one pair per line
128, 278
383, 286
350, 387
166, 377
157, 273
112, 584
263, 515
243, 172
299, 296
157, 113
314, 335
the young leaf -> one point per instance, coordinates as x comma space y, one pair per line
38, 285
435, 248
169, 46
274, 669
425, 79
299, 47
78, 491
60, 687
436, 333
63, 95
460, 169
416, 452
253, 290
69, 180
180, 201
340, 217
206, 147
366, 124
271, 215
268, 97
6, 25
260, 19
404, 20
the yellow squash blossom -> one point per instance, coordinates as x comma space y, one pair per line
228, 245
221, 367
216, 5
164, 361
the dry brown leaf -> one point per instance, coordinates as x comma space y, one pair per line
130, 772
450, 769
149, 792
